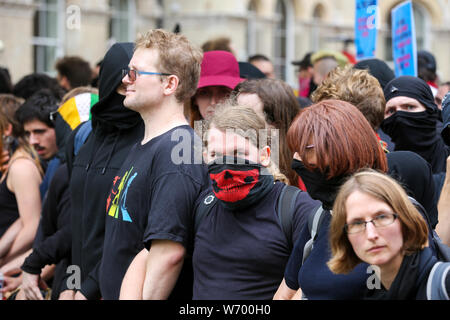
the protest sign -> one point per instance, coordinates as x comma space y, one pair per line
404, 47
366, 28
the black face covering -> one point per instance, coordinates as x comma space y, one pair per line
412, 131
239, 183
317, 184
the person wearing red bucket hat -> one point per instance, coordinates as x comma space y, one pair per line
219, 75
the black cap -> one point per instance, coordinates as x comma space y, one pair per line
426, 59
249, 71
305, 62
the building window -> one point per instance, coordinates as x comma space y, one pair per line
421, 21
48, 34
280, 40
252, 29
121, 25
318, 14
160, 17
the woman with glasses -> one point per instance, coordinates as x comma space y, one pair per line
331, 140
375, 222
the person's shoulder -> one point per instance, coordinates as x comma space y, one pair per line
22, 165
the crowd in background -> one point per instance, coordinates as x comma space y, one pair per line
94, 204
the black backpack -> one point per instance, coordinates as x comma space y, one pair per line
286, 208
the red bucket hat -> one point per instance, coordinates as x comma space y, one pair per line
219, 68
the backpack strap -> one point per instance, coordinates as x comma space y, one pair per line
286, 208
436, 288
314, 223
203, 209
81, 136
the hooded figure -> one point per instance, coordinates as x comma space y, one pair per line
115, 129
411, 130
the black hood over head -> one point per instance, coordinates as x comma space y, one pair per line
109, 113
412, 87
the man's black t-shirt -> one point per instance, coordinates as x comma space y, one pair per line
242, 254
152, 197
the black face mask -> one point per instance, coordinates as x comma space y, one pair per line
239, 183
412, 131
317, 184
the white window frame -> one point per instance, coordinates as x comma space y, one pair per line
289, 34
252, 33
45, 41
130, 16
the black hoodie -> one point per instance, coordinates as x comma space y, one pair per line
115, 130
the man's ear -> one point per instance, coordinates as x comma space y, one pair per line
171, 84
264, 156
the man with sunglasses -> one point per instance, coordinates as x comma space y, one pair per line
150, 206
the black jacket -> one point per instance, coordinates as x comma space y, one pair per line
54, 226
115, 130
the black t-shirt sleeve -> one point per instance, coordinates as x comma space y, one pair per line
171, 212
295, 260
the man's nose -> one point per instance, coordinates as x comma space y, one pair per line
33, 139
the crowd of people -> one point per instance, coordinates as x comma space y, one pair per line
178, 172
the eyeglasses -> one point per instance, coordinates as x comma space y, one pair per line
379, 221
132, 73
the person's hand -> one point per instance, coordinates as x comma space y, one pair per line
67, 295
11, 283
79, 296
30, 286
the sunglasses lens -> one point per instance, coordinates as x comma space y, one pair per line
130, 73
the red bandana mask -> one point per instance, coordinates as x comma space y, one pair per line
238, 183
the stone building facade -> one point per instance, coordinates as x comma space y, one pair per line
33, 34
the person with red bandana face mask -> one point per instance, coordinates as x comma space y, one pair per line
240, 249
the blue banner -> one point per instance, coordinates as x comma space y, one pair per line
404, 49
366, 28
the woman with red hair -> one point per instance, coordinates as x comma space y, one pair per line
331, 140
